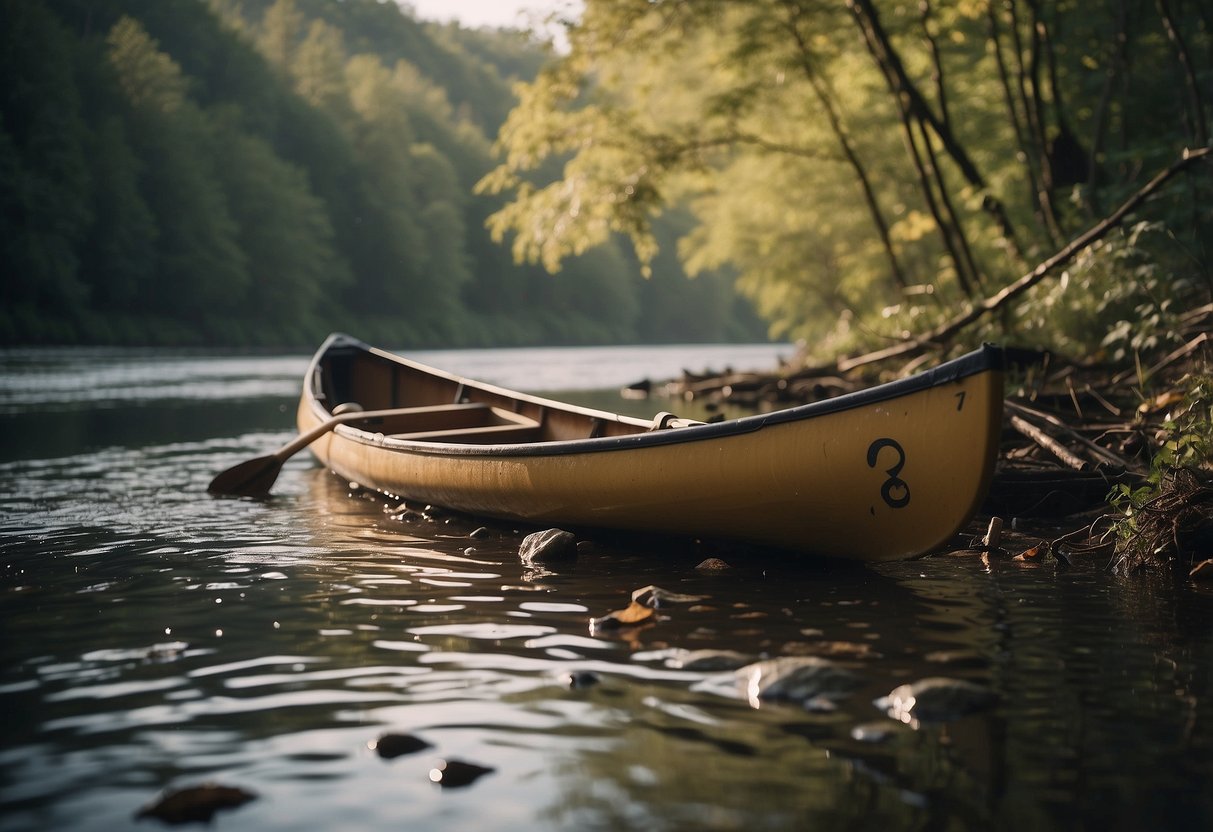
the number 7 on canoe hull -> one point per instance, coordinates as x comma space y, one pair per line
885, 473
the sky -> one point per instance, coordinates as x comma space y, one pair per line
474, 13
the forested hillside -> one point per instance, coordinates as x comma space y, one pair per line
235, 172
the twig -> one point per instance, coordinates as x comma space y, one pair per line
1049, 443
1106, 456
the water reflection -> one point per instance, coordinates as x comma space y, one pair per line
156, 637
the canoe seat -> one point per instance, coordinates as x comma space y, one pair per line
464, 423
488, 434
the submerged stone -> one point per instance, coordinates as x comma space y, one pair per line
936, 699
196, 804
709, 660
799, 679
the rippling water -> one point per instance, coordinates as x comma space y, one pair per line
155, 638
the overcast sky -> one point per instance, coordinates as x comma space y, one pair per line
473, 13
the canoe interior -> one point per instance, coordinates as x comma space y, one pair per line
442, 407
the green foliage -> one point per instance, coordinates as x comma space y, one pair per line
1154, 518
1121, 297
850, 161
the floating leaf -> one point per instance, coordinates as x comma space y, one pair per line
1034, 554
631, 616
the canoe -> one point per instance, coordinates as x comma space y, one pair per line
886, 473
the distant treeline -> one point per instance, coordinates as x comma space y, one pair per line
243, 172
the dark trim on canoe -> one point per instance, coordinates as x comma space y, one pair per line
986, 358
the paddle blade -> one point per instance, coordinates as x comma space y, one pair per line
251, 478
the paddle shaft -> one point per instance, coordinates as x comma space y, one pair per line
255, 476
304, 439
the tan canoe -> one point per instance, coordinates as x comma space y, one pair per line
886, 473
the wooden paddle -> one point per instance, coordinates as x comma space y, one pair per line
255, 477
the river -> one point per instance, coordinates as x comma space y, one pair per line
156, 639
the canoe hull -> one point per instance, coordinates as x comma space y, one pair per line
883, 480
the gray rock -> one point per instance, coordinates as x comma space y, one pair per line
935, 699
549, 546
657, 598
799, 679
709, 660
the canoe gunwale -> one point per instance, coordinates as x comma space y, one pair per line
986, 358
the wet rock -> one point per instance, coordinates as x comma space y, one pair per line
872, 732
656, 597
709, 660
798, 679
956, 658
195, 804
549, 546
453, 774
479, 533
713, 565
1202, 571
582, 679
935, 699
390, 746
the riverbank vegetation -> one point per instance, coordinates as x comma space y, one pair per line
233, 172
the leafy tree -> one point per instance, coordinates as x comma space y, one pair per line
200, 267
44, 179
849, 159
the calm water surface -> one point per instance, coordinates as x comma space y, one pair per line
155, 638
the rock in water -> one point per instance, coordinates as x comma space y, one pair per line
709, 660
800, 679
196, 804
390, 746
935, 699
548, 546
454, 774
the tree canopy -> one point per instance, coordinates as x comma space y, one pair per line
870, 167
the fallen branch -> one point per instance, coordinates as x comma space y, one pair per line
946, 331
1049, 443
